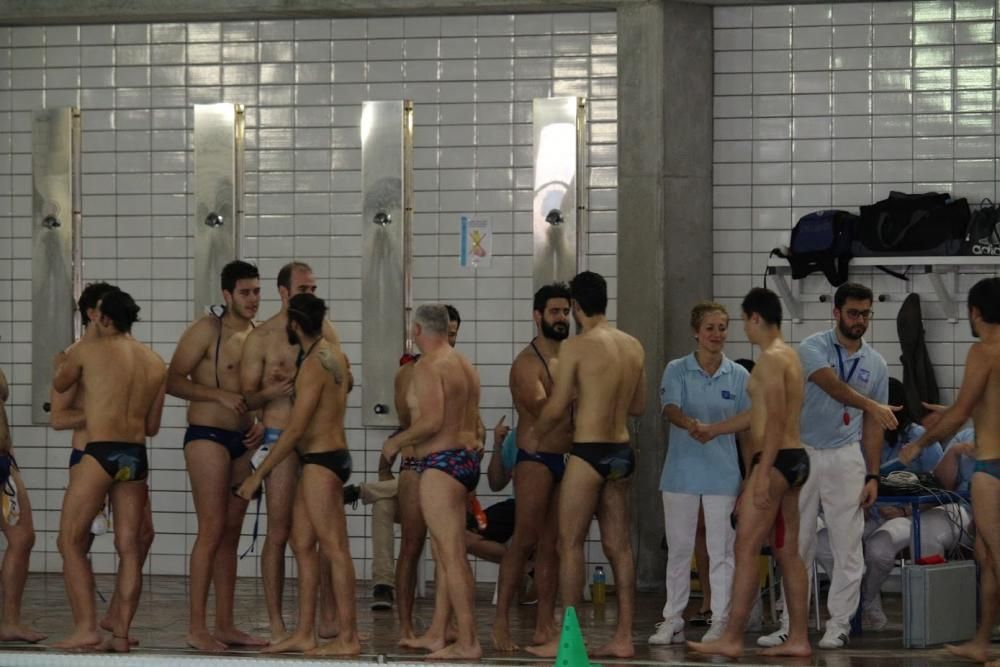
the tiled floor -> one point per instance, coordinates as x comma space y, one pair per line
161, 623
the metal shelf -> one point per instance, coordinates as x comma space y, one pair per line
934, 267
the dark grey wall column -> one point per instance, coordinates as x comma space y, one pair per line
664, 218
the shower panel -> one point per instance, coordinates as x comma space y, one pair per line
55, 214
387, 210
558, 210
218, 197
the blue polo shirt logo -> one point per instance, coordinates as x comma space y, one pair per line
864, 375
727, 395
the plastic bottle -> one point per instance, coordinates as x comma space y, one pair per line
598, 588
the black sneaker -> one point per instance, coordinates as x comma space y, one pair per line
382, 597
352, 493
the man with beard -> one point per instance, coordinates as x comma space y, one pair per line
205, 370
979, 398
603, 370
266, 372
844, 418
538, 471
316, 429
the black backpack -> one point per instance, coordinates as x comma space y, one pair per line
821, 241
983, 235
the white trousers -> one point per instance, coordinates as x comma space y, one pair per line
836, 479
680, 512
940, 532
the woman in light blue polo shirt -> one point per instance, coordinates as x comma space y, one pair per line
702, 388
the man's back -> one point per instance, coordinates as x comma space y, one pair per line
123, 379
444, 367
326, 429
608, 374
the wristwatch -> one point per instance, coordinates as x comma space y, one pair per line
869, 478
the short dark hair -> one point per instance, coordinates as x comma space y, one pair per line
285, 274
90, 296
590, 292
763, 302
746, 363
551, 291
236, 271
308, 311
121, 309
851, 291
453, 315
985, 295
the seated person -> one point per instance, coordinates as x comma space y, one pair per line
888, 527
489, 542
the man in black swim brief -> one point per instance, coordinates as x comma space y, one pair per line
122, 405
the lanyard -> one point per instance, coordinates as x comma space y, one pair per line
846, 378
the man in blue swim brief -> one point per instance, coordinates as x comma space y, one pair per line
444, 408
205, 370
538, 471
979, 398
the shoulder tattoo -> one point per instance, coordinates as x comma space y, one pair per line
330, 364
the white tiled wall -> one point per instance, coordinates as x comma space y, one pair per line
834, 105
472, 80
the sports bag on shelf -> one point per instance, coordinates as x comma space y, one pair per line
983, 236
920, 224
821, 241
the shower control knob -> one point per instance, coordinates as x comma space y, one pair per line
555, 217
51, 222
382, 219
381, 409
214, 220
47, 407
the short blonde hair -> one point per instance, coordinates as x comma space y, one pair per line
702, 309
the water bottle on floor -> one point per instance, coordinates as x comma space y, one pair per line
598, 588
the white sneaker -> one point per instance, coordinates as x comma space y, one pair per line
668, 633
833, 638
873, 618
776, 638
714, 633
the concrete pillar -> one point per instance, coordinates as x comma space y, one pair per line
664, 219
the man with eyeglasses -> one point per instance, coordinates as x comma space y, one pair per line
844, 417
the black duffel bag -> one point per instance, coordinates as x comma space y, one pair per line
983, 237
919, 224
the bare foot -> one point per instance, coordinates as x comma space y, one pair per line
616, 648
296, 643
425, 641
106, 624
458, 652
405, 636
80, 640
502, 640
342, 645
796, 649
970, 651
718, 647
328, 629
204, 641
22, 633
547, 650
234, 637
544, 635
114, 645
279, 634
